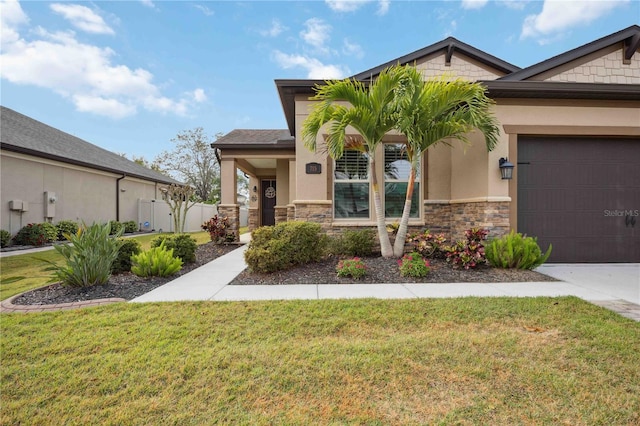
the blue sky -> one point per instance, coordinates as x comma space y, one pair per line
129, 75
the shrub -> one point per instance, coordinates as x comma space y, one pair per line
413, 265
428, 245
66, 227
130, 227
218, 229
285, 245
116, 227
351, 268
128, 247
516, 251
470, 252
88, 258
155, 262
354, 243
183, 246
36, 234
5, 237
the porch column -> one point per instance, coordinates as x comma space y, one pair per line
229, 206
291, 208
282, 193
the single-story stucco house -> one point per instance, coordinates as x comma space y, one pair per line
570, 125
49, 175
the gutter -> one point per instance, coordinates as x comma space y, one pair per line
118, 196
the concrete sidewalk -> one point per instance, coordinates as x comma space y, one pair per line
610, 285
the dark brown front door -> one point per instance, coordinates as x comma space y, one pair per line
582, 195
268, 201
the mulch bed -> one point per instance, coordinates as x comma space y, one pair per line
379, 270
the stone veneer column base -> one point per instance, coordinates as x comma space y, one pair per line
318, 211
232, 212
280, 214
254, 220
454, 217
291, 212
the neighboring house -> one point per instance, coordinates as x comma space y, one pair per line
570, 125
50, 175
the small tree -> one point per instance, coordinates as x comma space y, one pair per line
179, 199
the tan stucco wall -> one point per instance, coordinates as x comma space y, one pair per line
603, 66
461, 66
82, 193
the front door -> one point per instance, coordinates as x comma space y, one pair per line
268, 201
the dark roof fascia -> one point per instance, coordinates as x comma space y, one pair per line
450, 44
287, 90
561, 90
278, 145
40, 154
572, 55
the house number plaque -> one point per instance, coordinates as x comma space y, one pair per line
313, 168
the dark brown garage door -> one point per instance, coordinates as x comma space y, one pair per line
582, 195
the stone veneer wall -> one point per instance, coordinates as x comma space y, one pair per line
315, 211
232, 212
291, 212
437, 218
254, 220
493, 216
280, 214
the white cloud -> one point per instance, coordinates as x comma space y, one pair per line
81, 72
199, 96
204, 9
513, 4
561, 15
352, 49
344, 6
148, 3
82, 18
275, 30
315, 68
317, 33
474, 4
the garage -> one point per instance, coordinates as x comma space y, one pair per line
582, 195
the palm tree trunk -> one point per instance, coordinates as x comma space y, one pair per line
385, 243
401, 236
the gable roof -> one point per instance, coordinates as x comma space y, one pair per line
630, 36
256, 138
19, 133
449, 45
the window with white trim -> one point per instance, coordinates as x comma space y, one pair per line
351, 185
396, 178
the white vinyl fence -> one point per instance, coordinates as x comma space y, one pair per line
155, 215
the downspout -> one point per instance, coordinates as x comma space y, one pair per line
118, 196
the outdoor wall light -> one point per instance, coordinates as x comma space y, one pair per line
255, 188
506, 168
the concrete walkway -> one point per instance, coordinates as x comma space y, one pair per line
615, 286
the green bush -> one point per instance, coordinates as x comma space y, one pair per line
128, 248
155, 262
88, 258
36, 234
116, 227
428, 245
470, 252
354, 243
5, 237
130, 227
413, 265
285, 245
351, 268
66, 227
218, 229
183, 246
516, 251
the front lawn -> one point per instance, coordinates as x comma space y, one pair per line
448, 361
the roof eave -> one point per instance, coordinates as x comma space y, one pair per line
40, 154
561, 90
287, 90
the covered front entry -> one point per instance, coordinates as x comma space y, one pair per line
582, 195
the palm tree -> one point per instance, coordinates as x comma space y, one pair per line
432, 112
372, 113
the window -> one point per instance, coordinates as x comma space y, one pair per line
351, 185
396, 179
